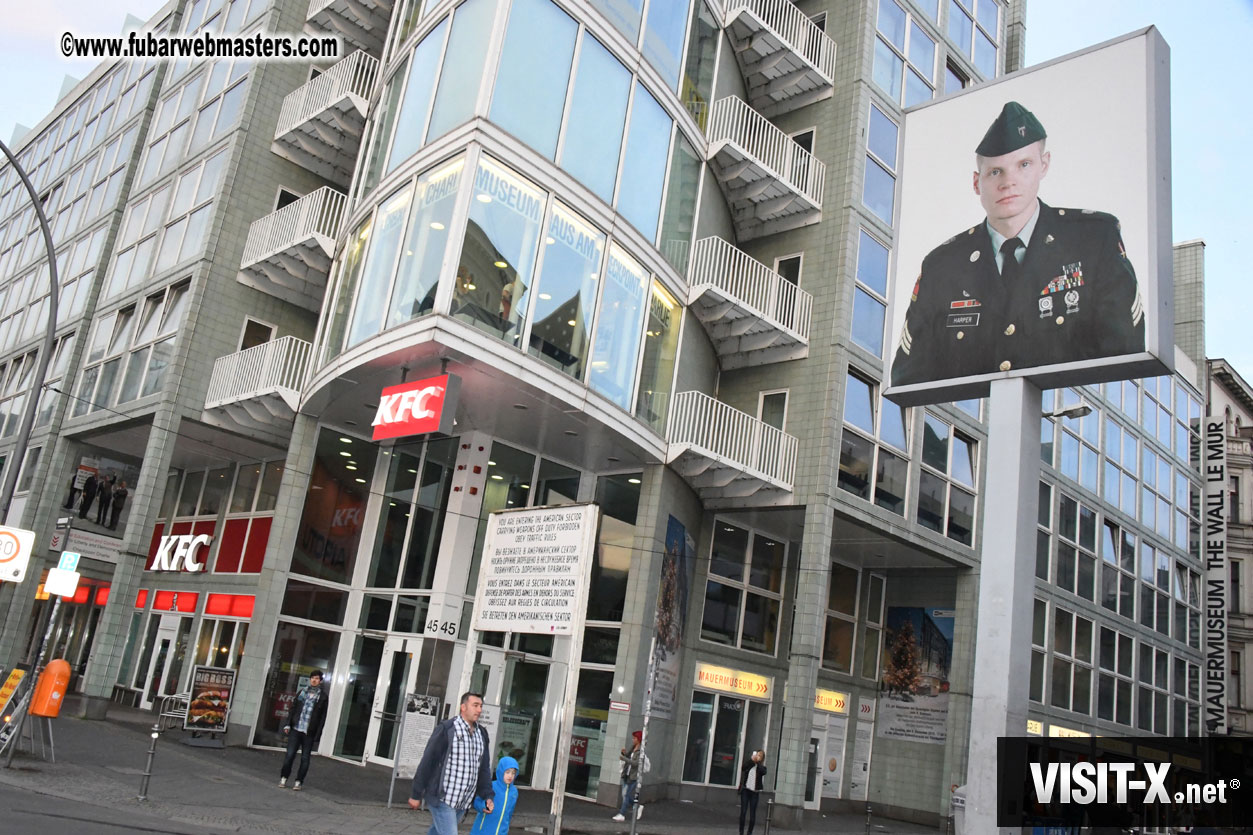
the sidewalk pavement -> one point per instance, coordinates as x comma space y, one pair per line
204, 790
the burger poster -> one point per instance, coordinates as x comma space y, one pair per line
210, 699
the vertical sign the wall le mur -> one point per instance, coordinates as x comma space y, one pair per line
1214, 525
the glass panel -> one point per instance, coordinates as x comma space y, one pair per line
888, 68
367, 319
882, 139
354, 717
856, 454
617, 339
413, 108
566, 298
868, 318
730, 548
397, 679
531, 82
522, 710
429, 513
696, 754
698, 70
498, 254
394, 522
837, 646
350, 272
661, 344
859, 403
935, 443
872, 264
245, 488
890, 478
619, 498
418, 274
879, 191
463, 66
331, 523
663, 38
190, 494
728, 729
766, 568
216, 485
644, 163
891, 23
680, 215
597, 114
721, 618
591, 726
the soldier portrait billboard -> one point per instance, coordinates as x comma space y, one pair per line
1033, 229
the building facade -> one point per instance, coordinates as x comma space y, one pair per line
652, 241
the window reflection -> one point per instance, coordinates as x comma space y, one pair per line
566, 296
463, 66
663, 38
644, 163
498, 254
623, 14
411, 123
597, 115
350, 271
679, 220
698, 72
618, 328
379, 266
661, 341
532, 79
417, 276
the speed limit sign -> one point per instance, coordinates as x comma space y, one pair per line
15, 547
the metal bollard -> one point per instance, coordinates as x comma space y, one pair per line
152, 753
868, 819
769, 813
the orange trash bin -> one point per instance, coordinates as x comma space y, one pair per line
50, 689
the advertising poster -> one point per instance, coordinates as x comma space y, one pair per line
863, 746
676, 563
421, 717
210, 702
1068, 165
514, 739
919, 652
99, 492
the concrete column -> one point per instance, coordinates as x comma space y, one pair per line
804, 659
111, 632
272, 583
1006, 582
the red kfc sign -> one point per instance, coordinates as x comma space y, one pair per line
416, 408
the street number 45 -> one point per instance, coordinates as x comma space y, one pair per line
446, 627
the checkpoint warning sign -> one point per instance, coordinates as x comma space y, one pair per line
534, 569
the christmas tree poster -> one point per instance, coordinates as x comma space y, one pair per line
917, 655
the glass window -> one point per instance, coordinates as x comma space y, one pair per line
623, 14
619, 499
644, 163
389, 225
891, 23
462, 72
698, 71
661, 343
888, 69
349, 273
868, 319
663, 38
882, 139
417, 276
566, 295
859, 403
872, 263
879, 191
411, 121
498, 255
531, 82
333, 517
618, 321
593, 137
679, 218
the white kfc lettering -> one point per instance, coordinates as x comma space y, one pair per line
178, 553
393, 407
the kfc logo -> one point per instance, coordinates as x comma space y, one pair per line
417, 408
178, 553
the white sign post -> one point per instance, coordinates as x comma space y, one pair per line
15, 546
534, 579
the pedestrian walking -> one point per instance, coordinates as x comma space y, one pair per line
634, 761
505, 797
304, 729
752, 781
455, 768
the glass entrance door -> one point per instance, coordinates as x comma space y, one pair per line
396, 678
521, 713
166, 655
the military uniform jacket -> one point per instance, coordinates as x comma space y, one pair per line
1075, 298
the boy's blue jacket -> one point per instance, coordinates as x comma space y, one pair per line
497, 823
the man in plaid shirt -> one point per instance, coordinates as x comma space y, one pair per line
455, 768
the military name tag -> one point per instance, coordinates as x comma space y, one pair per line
963, 320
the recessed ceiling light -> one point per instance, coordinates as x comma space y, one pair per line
500, 264
350, 467
483, 198
471, 287
391, 504
344, 440
436, 225
415, 472
345, 453
545, 296
525, 486
498, 477
361, 481
550, 240
571, 322
491, 463
633, 480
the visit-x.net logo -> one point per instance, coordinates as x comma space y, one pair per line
1088, 782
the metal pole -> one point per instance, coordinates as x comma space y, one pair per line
39, 660
152, 753
45, 355
649, 680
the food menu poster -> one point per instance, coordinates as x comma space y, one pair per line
210, 702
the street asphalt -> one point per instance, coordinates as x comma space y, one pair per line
93, 786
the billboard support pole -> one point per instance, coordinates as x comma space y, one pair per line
1002, 663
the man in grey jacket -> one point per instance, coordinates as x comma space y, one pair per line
455, 768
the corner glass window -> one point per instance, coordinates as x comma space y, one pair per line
367, 320
661, 342
663, 38
680, 216
593, 138
349, 273
462, 72
498, 254
417, 276
411, 121
534, 73
698, 72
644, 164
617, 338
566, 297
334, 511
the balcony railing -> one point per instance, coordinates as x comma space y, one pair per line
755, 290
354, 75
361, 23
770, 180
318, 213
278, 367
728, 452
786, 60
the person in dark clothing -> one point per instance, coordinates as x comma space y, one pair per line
304, 728
752, 781
89, 496
456, 767
119, 501
104, 500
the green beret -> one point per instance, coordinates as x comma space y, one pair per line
1016, 127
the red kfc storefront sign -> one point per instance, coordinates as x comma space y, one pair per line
417, 408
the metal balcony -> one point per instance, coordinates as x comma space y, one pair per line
288, 253
361, 23
260, 388
320, 124
752, 314
786, 60
729, 456
772, 183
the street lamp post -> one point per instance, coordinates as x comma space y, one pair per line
45, 354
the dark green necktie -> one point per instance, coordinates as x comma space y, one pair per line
1010, 268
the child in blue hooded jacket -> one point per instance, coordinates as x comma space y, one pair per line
497, 823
